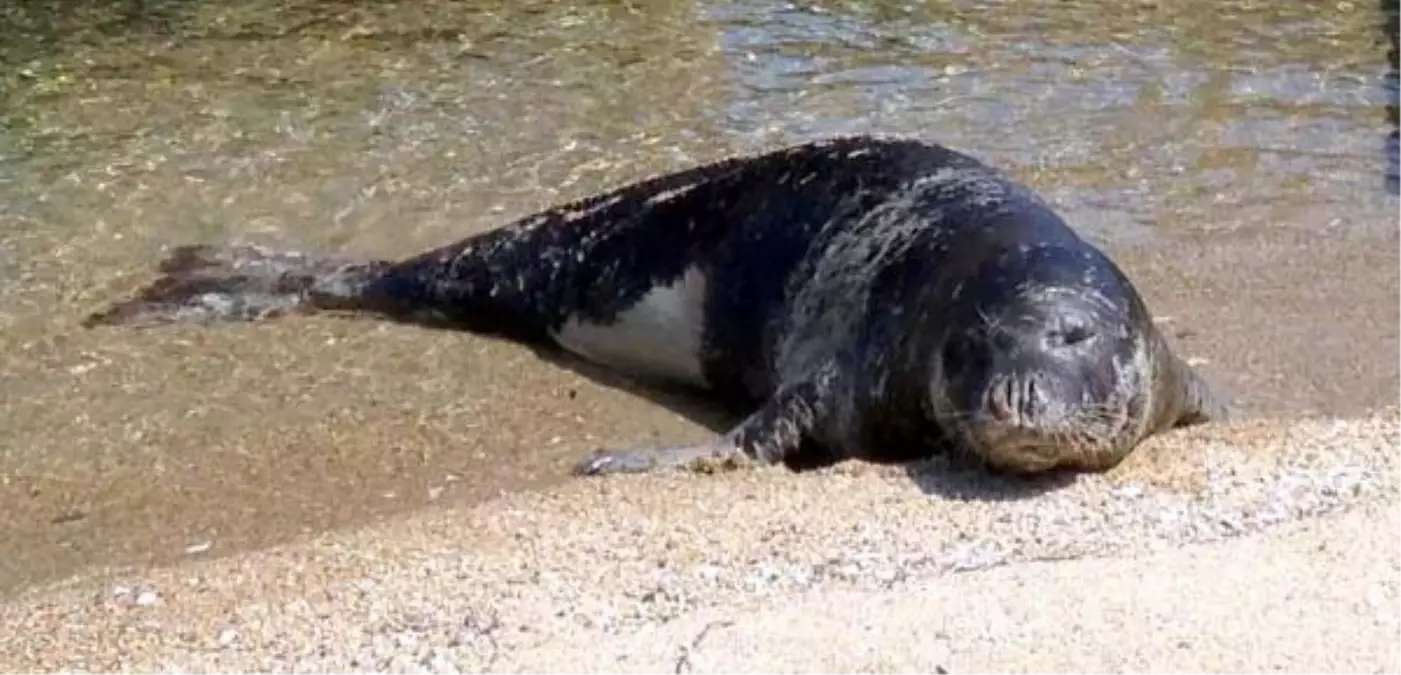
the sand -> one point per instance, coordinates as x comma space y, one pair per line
1265, 545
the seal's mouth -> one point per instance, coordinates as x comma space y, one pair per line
1021, 428
1021, 449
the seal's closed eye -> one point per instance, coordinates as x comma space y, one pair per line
1071, 336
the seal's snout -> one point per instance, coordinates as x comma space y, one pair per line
1023, 370
1013, 400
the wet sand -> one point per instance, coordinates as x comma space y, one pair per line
361, 133
1243, 202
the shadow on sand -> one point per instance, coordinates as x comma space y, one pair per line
957, 478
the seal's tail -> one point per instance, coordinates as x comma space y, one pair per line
204, 284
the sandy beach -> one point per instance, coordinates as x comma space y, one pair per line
1258, 546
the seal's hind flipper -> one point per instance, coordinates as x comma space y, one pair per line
204, 284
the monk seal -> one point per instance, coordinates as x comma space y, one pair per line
858, 297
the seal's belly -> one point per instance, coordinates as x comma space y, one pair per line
659, 337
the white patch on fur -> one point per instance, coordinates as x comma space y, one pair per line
659, 336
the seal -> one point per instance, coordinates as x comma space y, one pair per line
858, 297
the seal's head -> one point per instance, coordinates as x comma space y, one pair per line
1048, 369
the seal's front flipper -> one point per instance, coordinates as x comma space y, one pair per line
1201, 403
774, 433
707, 456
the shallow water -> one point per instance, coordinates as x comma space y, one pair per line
1233, 155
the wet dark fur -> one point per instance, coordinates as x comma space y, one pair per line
838, 275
